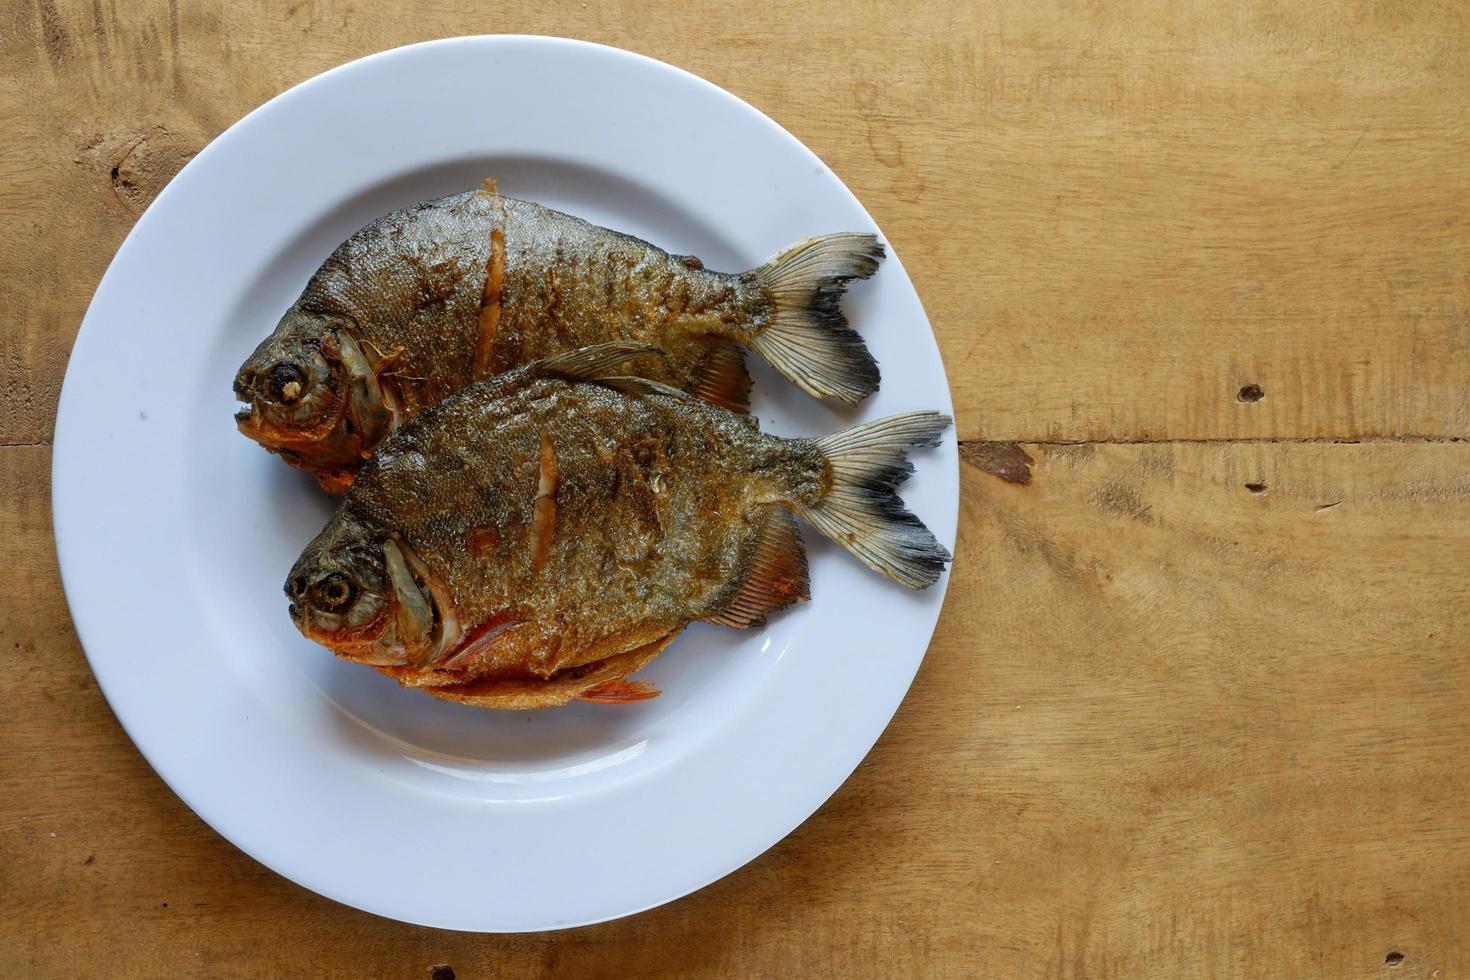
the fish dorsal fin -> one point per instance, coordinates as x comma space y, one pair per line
775, 573
721, 379
595, 362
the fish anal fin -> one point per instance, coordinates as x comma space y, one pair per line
619, 692
721, 379
775, 574
540, 692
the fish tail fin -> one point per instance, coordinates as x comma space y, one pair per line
863, 513
807, 337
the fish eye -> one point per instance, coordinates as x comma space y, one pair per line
335, 592
284, 383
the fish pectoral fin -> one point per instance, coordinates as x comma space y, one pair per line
721, 379
595, 362
629, 385
482, 639
619, 692
775, 573
414, 614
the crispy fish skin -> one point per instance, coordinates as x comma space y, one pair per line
565, 525
459, 289
571, 284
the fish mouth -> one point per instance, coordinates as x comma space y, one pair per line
374, 643
246, 407
327, 436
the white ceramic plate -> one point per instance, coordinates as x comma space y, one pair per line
175, 533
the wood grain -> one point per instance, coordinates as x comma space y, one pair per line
1196, 703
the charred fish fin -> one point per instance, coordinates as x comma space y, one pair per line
414, 615
619, 692
807, 338
595, 362
721, 379
861, 511
775, 573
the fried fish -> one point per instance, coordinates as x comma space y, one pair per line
537, 537
428, 299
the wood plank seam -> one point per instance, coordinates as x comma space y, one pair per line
1411, 440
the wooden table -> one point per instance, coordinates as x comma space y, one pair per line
1197, 704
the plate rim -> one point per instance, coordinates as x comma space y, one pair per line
69, 410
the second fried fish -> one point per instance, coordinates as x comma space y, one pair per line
535, 538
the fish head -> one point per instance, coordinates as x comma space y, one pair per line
342, 597
308, 394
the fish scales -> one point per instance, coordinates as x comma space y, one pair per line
649, 523
414, 281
